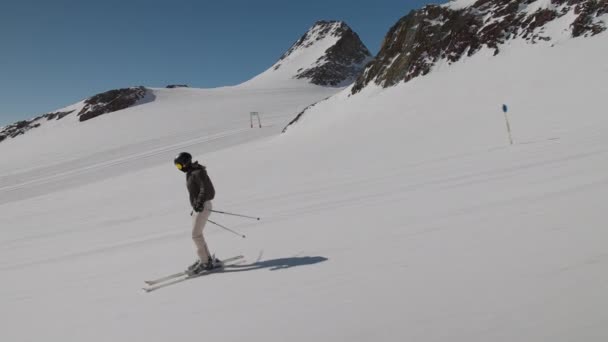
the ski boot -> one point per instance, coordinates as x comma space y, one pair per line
212, 263
192, 267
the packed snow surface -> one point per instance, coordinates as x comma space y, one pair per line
398, 214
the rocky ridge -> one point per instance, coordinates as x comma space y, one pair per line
102, 103
111, 101
444, 32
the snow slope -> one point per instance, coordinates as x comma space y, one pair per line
149, 134
169, 120
397, 214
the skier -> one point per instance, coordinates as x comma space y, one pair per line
201, 193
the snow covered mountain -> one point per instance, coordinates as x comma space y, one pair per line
330, 53
400, 213
439, 34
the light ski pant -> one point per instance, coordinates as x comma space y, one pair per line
198, 223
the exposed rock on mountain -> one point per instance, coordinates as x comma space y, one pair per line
463, 27
111, 101
19, 128
92, 107
342, 62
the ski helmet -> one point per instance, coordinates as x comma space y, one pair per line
183, 161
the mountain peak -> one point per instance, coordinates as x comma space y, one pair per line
322, 29
330, 53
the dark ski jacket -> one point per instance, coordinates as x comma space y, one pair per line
199, 185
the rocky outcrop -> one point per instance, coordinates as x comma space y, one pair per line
17, 129
103, 103
587, 13
111, 101
21, 127
423, 37
342, 62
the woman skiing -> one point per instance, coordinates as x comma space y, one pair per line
201, 193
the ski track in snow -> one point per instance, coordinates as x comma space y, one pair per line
124, 164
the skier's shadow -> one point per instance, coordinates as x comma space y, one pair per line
275, 264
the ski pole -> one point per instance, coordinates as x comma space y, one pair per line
239, 215
228, 229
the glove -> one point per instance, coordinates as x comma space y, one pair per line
198, 207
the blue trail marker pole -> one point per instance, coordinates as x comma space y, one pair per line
505, 109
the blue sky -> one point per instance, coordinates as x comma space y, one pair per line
55, 53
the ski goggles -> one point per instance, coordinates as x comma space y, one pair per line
179, 166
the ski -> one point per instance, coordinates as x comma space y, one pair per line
160, 280
183, 273
183, 276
